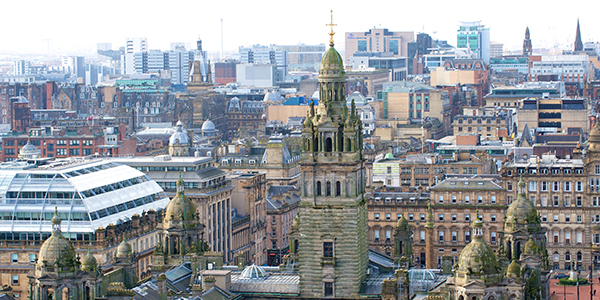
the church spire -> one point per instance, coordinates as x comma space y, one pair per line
527, 49
578, 44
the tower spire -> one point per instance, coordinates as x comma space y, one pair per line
332, 33
578, 44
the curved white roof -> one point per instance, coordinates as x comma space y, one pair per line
179, 137
88, 195
208, 126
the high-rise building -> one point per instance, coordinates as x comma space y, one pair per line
527, 48
378, 40
476, 37
329, 237
496, 49
133, 45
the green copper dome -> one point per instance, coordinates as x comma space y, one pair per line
56, 250
477, 258
530, 247
513, 270
332, 60
521, 211
124, 249
180, 209
89, 263
402, 223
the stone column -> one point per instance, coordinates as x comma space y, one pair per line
430, 262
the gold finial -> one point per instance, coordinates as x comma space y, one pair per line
331, 33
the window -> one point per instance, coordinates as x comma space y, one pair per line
467, 218
555, 201
479, 199
544, 218
376, 217
388, 235
567, 201
567, 237
567, 218
453, 218
389, 170
567, 186
388, 217
422, 236
578, 201
467, 236
466, 199
579, 219
555, 237
453, 199
544, 186
579, 186
579, 237
441, 217
441, 236
410, 217
493, 199
555, 218
327, 289
15, 257
15, 280
422, 217
555, 256
327, 249
32, 258
509, 186
568, 256
440, 199
73, 151
493, 236
493, 218
556, 186
454, 236
376, 235
532, 186
544, 201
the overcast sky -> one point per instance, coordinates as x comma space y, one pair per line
30, 26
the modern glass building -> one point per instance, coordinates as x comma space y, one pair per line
88, 194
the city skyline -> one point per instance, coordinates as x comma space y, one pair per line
266, 22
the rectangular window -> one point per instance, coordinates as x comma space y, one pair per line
388, 235
544, 201
567, 218
579, 219
32, 258
467, 218
567, 186
441, 217
410, 217
579, 186
479, 199
544, 218
493, 218
441, 236
493, 236
555, 201
544, 186
454, 236
555, 237
578, 201
422, 236
327, 249
567, 237
453, 199
376, 235
567, 201
453, 218
556, 186
15, 257
467, 236
467, 199
440, 199
376, 217
493, 199
422, 217
388, 217
579, 237
327, 289
555, 218
15, 280
532, 186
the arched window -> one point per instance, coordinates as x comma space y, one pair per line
328, 188
316, 145
568, 256
579, 257
338, 189
318, 188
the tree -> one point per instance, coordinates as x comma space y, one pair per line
533, 286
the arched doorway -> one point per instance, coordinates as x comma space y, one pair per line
328, 145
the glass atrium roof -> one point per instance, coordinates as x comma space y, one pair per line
88, 195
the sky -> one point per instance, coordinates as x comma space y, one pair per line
64, 26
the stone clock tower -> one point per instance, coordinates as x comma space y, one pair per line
330, 242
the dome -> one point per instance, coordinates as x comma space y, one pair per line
253, 272
389, 156
530, 247
513, 270
402, 223
208, 126
124, 249
179, 209
179, 137
477, 257
29, 151
272, 96
332, 60
89, 263
359, 100
521, 211
56, 250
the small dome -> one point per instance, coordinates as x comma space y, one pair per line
179, 123
179, 137
253, 272
332, 60
530, 247
56, 250
180, 209
389, 156
359, 100
521, 211
513, 270
402, 223
89, 262
477, 258
272, 96
29, 151
124, 249
208, 126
